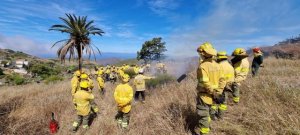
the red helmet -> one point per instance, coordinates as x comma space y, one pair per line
256, 49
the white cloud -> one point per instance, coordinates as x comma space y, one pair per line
231, 24
162, 7
21, 43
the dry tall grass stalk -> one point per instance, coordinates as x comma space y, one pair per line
270, 104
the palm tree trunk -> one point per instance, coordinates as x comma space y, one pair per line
80, 58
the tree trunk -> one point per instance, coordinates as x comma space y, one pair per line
80, 58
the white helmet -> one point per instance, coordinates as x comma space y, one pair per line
141, 71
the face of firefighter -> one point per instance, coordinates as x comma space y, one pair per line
201, 56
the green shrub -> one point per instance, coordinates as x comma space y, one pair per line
53, 79
45, 70
72, 68
15, 79
160, 79
130, 72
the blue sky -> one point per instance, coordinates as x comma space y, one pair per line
183, 24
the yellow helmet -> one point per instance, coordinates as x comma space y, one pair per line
222, 55
207, 48
125, 77
239, 51
77, 73
84, 76
84, 84
100, 72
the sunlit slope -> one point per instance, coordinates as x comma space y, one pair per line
270, 104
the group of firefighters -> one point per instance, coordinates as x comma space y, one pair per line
217, 77
83, 99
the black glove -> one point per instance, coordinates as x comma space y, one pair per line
219, 99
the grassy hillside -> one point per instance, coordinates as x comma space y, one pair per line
270, 104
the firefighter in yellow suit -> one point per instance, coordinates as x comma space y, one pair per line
123, 96
75, 82
241, 68
140, 85
84, 105
228, 71
210, 85
100, 81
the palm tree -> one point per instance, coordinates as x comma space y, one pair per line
79, 30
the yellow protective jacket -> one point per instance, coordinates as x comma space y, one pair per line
121, 72
123, 96
100, 72
82, 100
136, 70
241, 70
228, 72
74, 84
100, 82
210, 80
107, 71
140, 83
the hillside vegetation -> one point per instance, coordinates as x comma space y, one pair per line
270, 104
288, 49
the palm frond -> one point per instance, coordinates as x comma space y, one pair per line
79, 30
59, 42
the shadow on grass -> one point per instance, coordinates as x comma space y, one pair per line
191, 118
189, 114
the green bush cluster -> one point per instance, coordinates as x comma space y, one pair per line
72, 68
160, 79
16, 79
45, 70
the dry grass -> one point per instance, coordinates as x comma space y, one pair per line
270, 104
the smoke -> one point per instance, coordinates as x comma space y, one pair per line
176, 66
